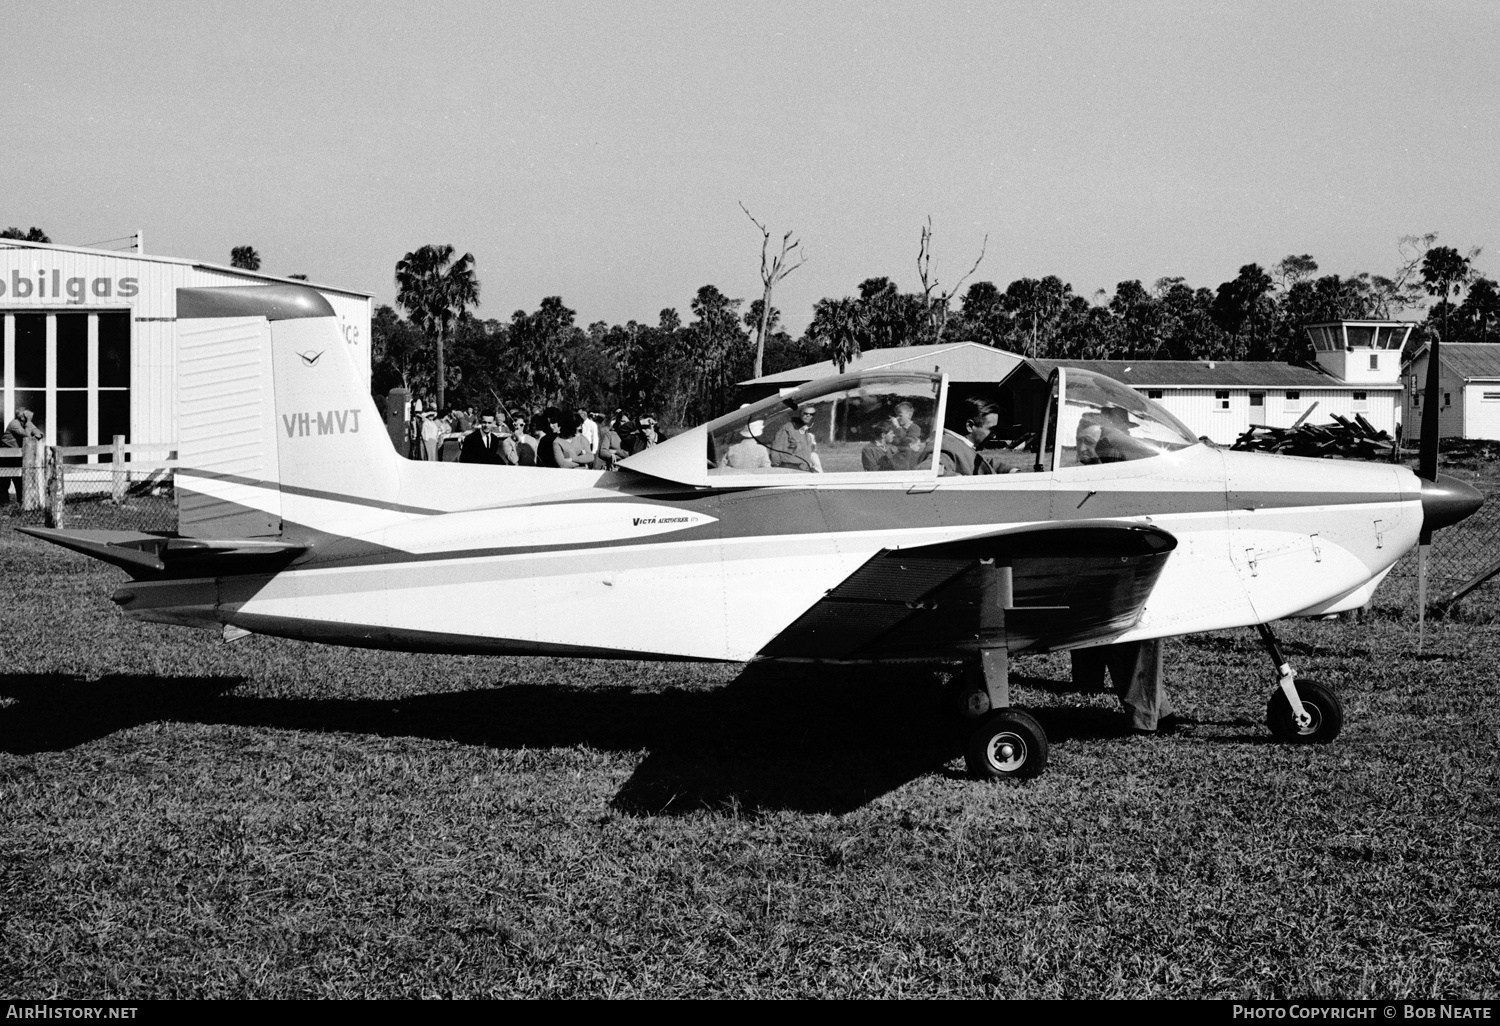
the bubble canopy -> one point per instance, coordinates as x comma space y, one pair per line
884, 426
1092, 418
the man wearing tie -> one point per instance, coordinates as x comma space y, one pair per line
482, 445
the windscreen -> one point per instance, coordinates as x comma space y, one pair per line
1102, 420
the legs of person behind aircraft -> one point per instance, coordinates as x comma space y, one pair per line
1135, 669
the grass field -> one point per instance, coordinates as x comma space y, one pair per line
188, 818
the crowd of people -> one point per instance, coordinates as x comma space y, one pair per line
556, 437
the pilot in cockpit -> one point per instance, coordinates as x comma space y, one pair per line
1104, 437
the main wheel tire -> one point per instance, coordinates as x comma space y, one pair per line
1006, 745
1321, 704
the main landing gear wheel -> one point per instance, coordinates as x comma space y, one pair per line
1006, 745
1323, 707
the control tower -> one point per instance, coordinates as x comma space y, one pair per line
1360, 351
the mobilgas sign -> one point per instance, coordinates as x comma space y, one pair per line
52, 285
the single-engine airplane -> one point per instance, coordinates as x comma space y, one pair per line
737, 541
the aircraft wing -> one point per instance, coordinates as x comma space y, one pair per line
1072, 583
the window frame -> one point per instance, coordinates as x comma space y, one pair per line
51, 390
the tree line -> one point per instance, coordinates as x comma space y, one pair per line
685, 371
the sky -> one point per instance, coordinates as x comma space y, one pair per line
601, 151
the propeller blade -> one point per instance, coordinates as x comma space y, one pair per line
1428, 453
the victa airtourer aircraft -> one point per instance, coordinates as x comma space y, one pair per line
297, 518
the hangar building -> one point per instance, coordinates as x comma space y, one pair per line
1469, 383
90, 337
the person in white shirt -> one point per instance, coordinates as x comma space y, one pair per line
590, 431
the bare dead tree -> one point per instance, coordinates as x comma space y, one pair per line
937, 309
771, 272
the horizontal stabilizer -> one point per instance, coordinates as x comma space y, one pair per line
155, 556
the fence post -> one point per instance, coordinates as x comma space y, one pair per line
55, 489
117, 477
31, 479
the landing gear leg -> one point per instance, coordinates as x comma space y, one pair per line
1005, 743
1299, 713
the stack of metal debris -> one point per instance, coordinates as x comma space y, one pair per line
1355, 439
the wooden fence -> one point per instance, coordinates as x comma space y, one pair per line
52, 474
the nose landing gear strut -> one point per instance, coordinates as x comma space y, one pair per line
1299, 712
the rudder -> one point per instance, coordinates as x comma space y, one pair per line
276, 428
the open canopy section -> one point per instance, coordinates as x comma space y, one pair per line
873, 426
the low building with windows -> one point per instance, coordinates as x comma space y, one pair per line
1357, 371
1468, 387
89, 337
1221, 399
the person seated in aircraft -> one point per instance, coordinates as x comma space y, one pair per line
960, 451
794, 446
1116, 444
881, 453
908, 440
1090, 430
747, 453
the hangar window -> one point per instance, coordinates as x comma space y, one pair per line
1153, 393
1293, 401
1361, 401
1221, 399
72, 370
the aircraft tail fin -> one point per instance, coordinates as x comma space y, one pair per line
277, 431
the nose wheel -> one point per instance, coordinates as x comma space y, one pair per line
1322, 715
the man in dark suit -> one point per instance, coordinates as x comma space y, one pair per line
482, 445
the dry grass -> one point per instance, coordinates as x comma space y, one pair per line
186, 818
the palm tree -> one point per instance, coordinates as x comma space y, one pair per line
436, 291
839, 326
244, 257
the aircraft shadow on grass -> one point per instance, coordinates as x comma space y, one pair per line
803, 738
